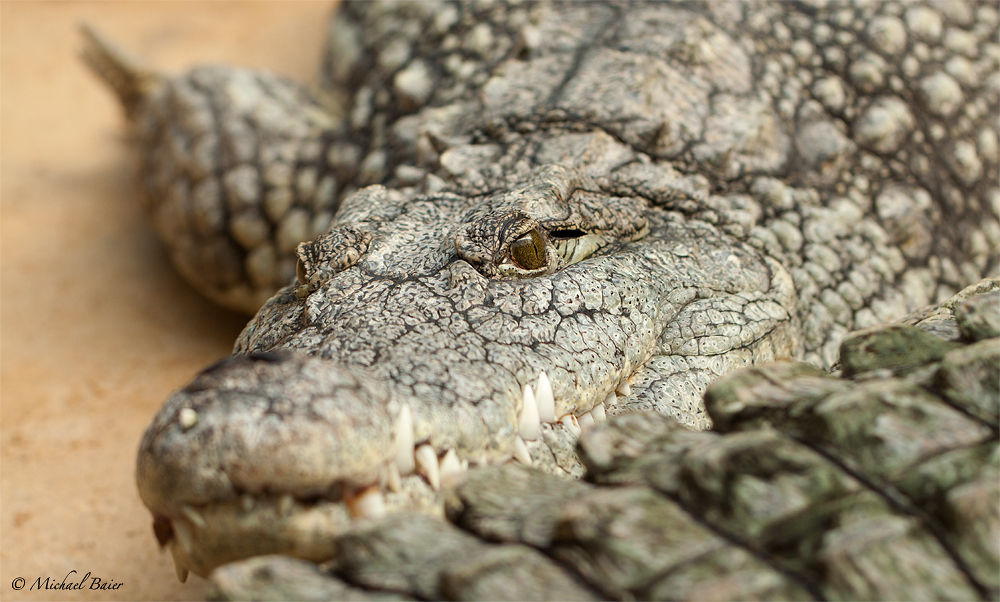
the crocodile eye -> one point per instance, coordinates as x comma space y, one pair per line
528, 252
300, 272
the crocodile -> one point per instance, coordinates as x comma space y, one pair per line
499, 224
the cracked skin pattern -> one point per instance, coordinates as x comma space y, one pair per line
883, 484
650, 194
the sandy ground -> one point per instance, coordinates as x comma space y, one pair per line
95, 328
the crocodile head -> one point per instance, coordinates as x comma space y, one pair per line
417, 325
551, 269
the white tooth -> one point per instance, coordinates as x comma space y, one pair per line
187, 418
179, 568
404, 441
530, 426
611, 399
586, 421
623, 389
247, 502
572, 424
544, 400
183, 533
427, 465
392, 480
193, 516
598, 413
465, 465
368, 504
373, 504
521, 452
285, 504
449, 467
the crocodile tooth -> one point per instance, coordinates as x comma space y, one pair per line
611, 399
530, 427
368, 504
521, 451
373, 503
392, 478
183, 533
571, 423
179, 568
285, 504
598, 413
193, 516
544, 400
586, 421
247, 502
187, 418
623, 389
427, 465
404, 441
450, 466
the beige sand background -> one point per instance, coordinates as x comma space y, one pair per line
95, 329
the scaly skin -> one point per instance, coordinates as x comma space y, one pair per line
643, 194
881, 485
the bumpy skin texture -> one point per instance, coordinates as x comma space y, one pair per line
884, 485
238, 167
633, 198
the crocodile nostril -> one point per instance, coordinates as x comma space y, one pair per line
528, 252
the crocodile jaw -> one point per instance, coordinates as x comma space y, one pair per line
269, 487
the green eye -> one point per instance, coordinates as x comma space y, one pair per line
528, 252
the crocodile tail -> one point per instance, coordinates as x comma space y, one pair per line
130, 80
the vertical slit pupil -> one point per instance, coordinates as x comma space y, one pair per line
528, 252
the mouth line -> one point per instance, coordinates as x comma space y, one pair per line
200, 536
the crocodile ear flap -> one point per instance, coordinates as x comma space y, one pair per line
331, 253
660, 185
605, 213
